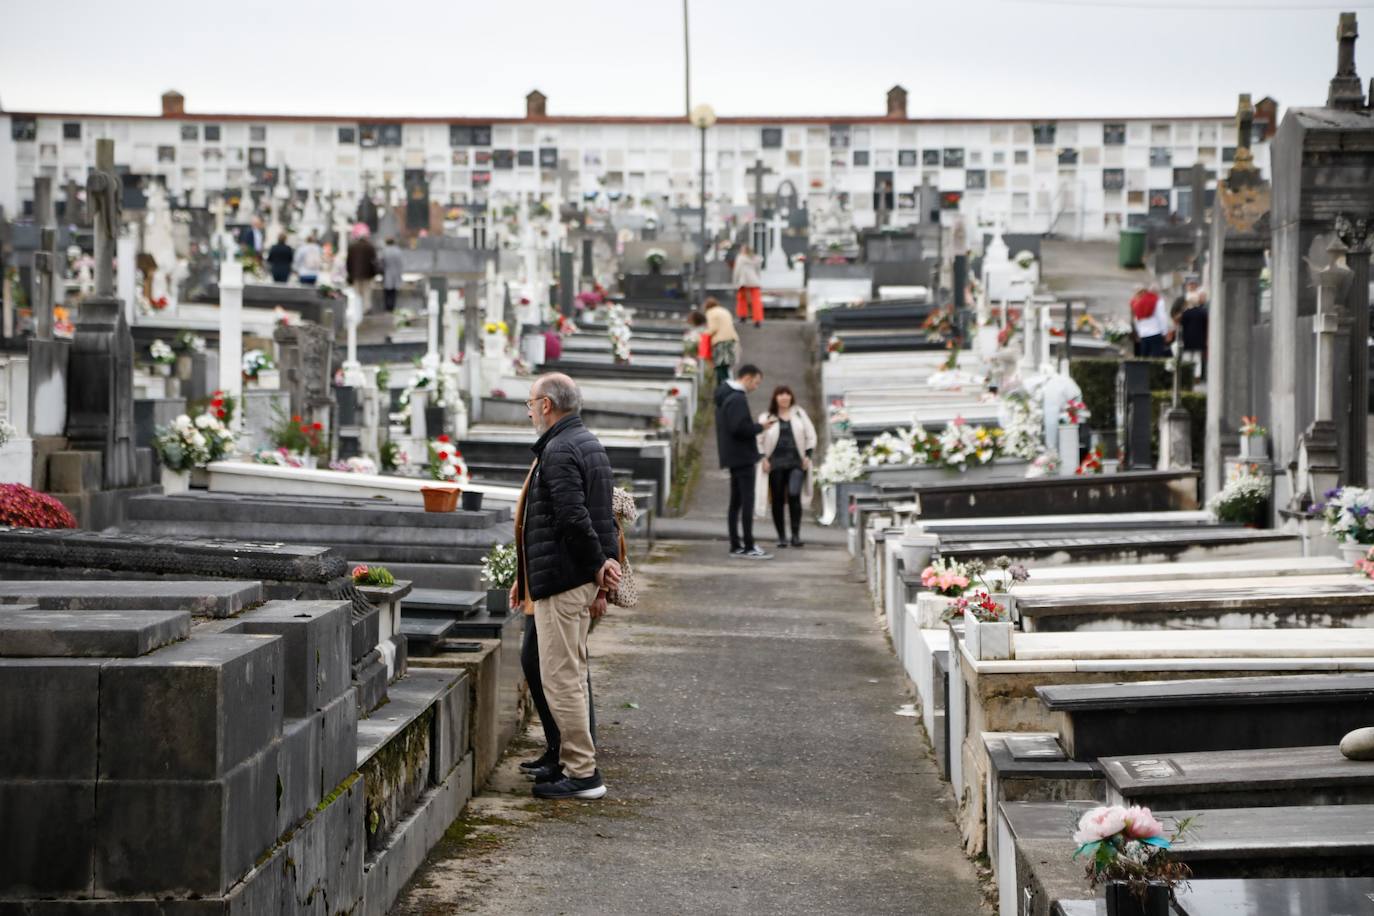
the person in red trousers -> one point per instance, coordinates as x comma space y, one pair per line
747, 286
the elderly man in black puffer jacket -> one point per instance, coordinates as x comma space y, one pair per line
568, 560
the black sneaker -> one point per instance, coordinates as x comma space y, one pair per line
572, 787
797, 541
736, 551
539, 763
782, 542
756, 553
551, 773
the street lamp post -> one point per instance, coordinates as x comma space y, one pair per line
702, 117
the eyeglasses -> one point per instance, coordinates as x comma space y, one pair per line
529, 405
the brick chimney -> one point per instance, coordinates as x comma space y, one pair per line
1267, 116
896, 103
173, 104
534, 104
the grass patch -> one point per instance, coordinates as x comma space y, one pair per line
471, 835
689, 466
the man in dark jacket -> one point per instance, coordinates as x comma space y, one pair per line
279, 259
362, 268
568, 560
737, 441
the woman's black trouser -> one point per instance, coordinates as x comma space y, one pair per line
780, 495
529, 663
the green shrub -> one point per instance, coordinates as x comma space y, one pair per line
1097, 379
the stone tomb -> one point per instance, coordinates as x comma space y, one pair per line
1253, 778
202, 599
1229, 604
1143, 717
1297, 842
30, 633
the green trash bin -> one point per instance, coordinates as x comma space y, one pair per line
1131, 249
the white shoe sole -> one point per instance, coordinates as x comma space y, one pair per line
598, 792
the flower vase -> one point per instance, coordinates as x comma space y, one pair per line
494, 344
1121, 902
164, 370
440, 498
498, 601
1352, 552
309, 461
174, 482
269, 379
1068, 449
184, 367
1252, 448
988, 640
472, 501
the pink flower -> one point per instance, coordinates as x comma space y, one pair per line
929, 577
1099, 824
1141, 824
359, 571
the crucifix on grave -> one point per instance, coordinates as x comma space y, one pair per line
1345, 90
757, 171
1319, 463
100, 403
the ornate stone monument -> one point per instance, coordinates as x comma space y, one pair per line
100, 400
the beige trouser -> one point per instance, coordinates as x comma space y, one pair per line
364, 290
562, 622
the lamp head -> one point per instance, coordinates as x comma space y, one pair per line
702, 116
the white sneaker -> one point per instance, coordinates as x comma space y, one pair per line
758, 553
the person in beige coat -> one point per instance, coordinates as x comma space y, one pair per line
784, 477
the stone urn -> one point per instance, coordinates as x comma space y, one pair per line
1068, 449
1353, 552
1252, 448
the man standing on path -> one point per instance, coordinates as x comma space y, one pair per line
737, 441
568, 561
392, 264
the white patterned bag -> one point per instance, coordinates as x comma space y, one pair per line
625, 511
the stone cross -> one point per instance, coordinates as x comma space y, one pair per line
103, 197
231, 333
884, 190
565, 176
45, 215
757, 171
352, 316
1319, 463
72, 216
1345, 91
1245, 129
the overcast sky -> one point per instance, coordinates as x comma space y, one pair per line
457, 57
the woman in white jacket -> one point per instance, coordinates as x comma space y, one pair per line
784, 476
747, 286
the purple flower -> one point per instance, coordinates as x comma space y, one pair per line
1332, 494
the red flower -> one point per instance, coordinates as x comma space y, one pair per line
442, 439
317, 426
220, 413
443, 456
296, 419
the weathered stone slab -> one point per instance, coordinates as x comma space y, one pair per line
1208, 714
36, 695
1182, 644
48, 837
1183, 544
1268, 567
316, 646
194, 710
1229, 604
184, 837
199, 597
1274, 896
89, 634
1245, 778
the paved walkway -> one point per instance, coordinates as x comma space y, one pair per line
750, 742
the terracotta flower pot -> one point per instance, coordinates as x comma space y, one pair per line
440, 499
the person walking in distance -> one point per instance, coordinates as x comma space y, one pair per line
391, 274
362, 265
737, 442
784, 477
748, 285
567, 563
720, 330
280, 257
309, 261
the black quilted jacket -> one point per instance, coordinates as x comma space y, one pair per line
569, 529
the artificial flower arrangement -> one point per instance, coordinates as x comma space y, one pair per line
1249, 426
185, 443
618, 330
835, 344
1046, 464
280, 317
980, 604
278, 457
159, 304
1243, 499
299, 436
24, 507
1127, 849
1348, 514
1023, 428
499, 566
378, 576
945, 577
1024, 259
446, 461
590, 299
358, 464
403, 318
495, 327
7, 431
655, 258
1116, 331
1091, 463
565, 326
843, 463
161, 354
393, 456
188, 342
1366, 565
1074, 412
955, 447
254, 361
